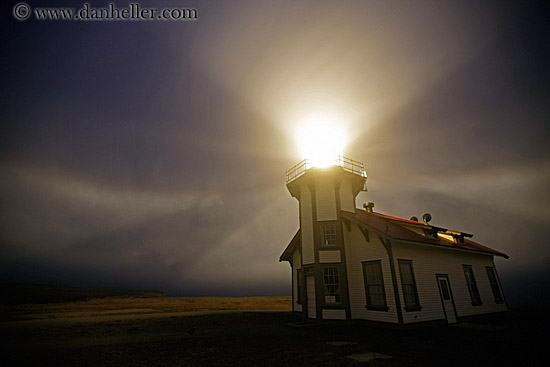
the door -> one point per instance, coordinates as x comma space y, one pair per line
447, 298
310, 292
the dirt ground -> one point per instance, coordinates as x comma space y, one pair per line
262, 338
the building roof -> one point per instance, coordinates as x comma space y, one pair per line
294, 243
389, 226
391, 217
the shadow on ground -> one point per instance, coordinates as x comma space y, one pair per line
264, 339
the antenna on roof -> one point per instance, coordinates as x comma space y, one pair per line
368, 206
427, 217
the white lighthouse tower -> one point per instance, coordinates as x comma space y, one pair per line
319, 271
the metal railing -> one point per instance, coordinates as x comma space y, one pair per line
348, 164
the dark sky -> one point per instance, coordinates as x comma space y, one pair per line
152, 154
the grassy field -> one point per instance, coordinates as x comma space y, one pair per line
131, 305
223, 331
17, 293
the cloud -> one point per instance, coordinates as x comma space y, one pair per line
177, 240
518, 190
70, 208
162, 164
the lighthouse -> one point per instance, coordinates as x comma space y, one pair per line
323, 192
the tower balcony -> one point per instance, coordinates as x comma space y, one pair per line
341, 169
347, 164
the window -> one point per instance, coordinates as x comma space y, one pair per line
298, 285
444, 289
410, 293
332, 284
374, 286
472, 286
494, 285
328, 235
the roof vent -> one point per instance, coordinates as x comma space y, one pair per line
427, 217
414, 218
368, 206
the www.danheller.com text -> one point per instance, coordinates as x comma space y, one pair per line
134, 11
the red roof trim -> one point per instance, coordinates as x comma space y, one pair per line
384, 223
398, 219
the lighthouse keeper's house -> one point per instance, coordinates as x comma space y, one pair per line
349, 263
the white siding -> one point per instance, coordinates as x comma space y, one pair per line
296, 264
358, 250
347, 201
427, 262
334, 314
306, 225
326, 199
297, 259
329, 256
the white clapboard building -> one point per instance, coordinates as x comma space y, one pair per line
349, 263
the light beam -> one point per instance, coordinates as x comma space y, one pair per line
320, 140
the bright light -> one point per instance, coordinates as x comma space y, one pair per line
321, 141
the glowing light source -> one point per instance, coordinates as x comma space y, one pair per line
321, 141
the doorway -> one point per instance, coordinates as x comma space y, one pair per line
446, 297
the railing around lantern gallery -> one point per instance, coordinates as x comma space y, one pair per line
348, 164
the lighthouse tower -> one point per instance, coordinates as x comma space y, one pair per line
323, 193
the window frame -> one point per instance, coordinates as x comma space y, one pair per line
338, 294
416, 306
369, 305
473, 289
499, 298
333, 236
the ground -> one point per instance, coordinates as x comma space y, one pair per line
264, 338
